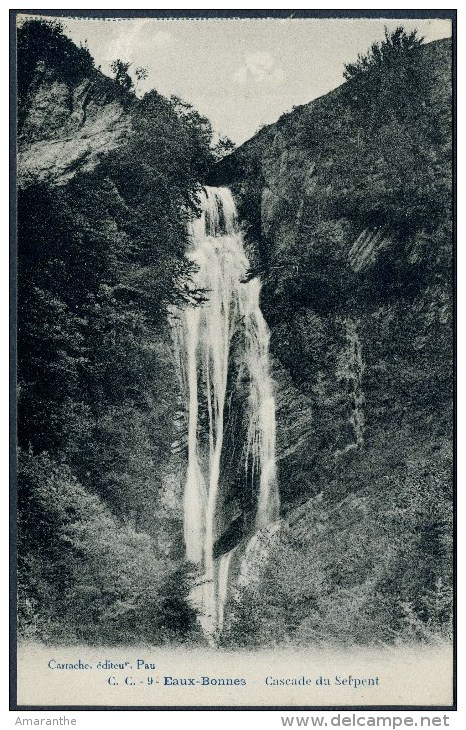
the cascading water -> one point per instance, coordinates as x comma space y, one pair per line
212, 364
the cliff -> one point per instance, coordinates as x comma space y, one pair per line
69, 127
347, 208
70, 114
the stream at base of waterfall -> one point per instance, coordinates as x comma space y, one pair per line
220, 342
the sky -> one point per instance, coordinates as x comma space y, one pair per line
244, 73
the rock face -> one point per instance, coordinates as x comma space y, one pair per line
347, 207
354, 255
69, 126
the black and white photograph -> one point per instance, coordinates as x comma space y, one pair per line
234, 337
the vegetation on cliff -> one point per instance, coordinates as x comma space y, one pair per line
99, 261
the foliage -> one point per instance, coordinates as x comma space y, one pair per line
120, 70
393, 52
141, 73
363, 571
224, 147
94, 578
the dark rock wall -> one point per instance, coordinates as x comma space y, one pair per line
357, 293
346, 204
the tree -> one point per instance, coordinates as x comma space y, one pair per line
388, 83
141, 73
224, 147
393, 51
122, 77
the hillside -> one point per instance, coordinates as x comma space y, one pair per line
106, 186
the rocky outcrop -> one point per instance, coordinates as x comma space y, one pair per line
69, 126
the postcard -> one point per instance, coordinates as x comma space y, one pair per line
235, 333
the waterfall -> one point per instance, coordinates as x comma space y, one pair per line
223, 350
